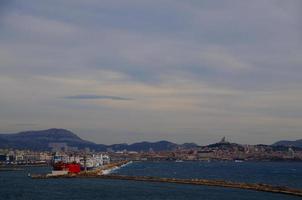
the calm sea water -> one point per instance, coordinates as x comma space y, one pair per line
16, 185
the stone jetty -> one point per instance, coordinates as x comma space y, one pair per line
217, 183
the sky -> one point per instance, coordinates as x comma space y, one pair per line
136, 70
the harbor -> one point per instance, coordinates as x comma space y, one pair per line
99, 173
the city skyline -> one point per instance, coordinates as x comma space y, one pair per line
130, 71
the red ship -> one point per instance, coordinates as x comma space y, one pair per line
70, 167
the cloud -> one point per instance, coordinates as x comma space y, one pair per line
89, 96
38, 26
220, 59
194, 69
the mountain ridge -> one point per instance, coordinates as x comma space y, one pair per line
40, 140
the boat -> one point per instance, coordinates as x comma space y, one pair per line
76, 164
179, 161
69, 167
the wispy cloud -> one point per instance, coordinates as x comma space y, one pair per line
91, 96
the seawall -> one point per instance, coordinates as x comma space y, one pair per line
206, 182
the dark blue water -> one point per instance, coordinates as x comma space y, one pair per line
16, 185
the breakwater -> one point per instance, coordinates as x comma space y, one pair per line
205, 182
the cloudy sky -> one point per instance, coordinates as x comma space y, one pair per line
134, 70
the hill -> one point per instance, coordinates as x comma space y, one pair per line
297, 143
40, 140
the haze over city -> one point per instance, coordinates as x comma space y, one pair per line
129, 71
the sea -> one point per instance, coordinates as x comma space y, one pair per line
16, 185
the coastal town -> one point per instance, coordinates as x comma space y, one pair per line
71, 162
223, 150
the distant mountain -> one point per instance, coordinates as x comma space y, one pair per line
146, 146
297, 143
40, 140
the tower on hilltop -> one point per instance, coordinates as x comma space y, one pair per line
223, 141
